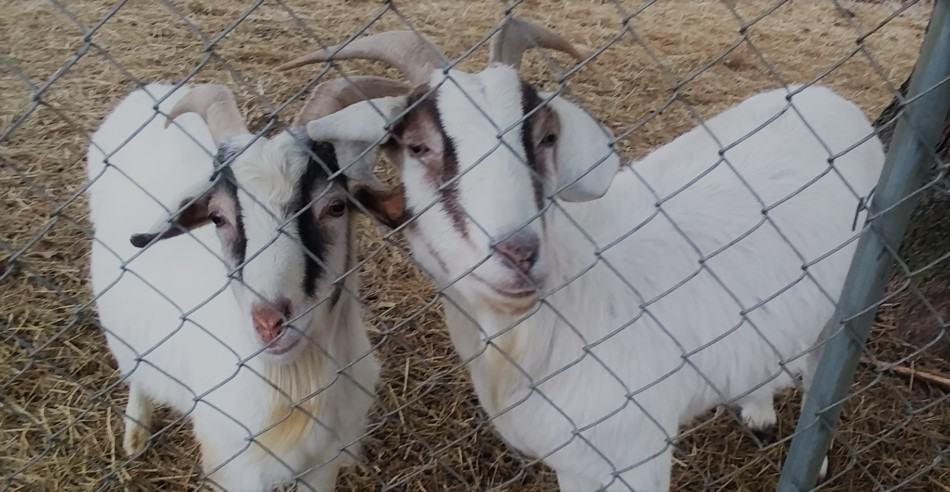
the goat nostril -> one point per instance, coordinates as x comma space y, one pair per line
531, 256
285, 309
268, 329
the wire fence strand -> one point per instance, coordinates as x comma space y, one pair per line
223, 300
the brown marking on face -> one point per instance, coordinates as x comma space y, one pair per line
529, 101
420, 134
438, 258
225, 204
540, 132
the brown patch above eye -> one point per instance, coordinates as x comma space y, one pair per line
420, 131
545, 128
422, 127
538, 125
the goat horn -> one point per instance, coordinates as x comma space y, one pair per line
407, 51
516, 36
333, 95
216, 105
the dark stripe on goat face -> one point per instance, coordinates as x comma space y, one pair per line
225, 182
315, 240
423, 107
530, 101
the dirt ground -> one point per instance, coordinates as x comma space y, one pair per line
66, 63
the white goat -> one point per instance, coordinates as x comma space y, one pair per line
692, 281
278, 377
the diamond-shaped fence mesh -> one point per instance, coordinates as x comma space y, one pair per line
489, 315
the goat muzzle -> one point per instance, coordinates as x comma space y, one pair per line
270, 319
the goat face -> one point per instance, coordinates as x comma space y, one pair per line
467, 149
480, 156
284, 231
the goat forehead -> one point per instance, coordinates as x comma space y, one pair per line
268, 172
476, 108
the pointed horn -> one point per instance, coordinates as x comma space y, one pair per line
407, 51
333, 95
216, 105
517, 36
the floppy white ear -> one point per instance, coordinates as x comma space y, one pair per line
354, 132
586, 160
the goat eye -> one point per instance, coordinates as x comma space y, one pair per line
216, 219
336, 208
549, 140
417, 150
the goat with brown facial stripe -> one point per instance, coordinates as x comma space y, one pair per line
686, 280
234, 314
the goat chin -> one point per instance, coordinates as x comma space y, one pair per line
707, 303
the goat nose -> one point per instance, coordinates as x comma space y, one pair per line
520, 250
269, 318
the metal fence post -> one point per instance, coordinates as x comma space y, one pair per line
891, 208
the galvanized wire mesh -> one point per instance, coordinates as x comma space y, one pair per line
643, 74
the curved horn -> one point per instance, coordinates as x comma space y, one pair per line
333, 95
516, 36
216, 105
407, 51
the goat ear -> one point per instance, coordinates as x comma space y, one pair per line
355, 132
363, 121
192, 212
586, 160
388, 207
357, 160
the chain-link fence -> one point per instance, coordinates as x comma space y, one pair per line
529, 332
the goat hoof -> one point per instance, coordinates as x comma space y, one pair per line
761, 422
824, 470
765, 435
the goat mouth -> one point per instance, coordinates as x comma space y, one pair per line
284, 343
517, 293
523, 290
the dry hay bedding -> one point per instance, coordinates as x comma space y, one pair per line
60, 397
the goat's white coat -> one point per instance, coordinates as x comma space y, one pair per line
641, 352
637, 335
195, 370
